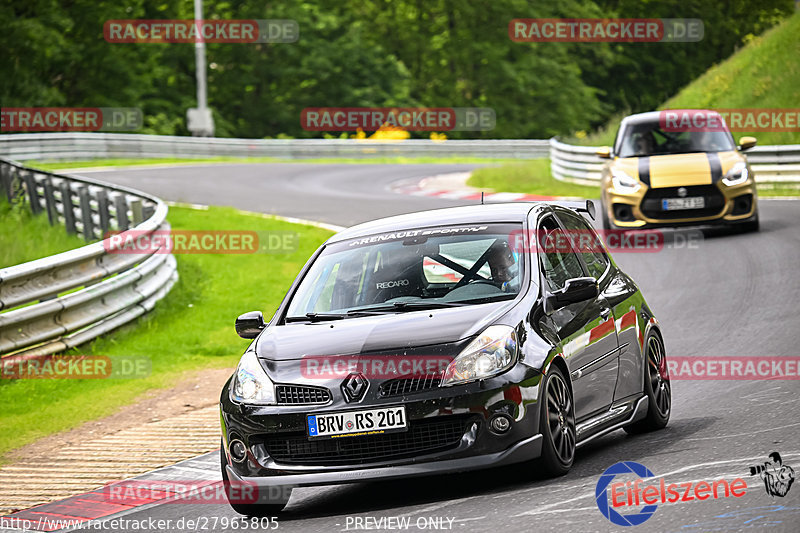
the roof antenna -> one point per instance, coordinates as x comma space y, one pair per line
481, 197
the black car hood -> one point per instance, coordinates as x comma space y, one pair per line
364, 335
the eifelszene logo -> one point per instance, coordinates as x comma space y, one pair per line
612, 498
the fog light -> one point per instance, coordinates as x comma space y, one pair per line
238, 450
500, 424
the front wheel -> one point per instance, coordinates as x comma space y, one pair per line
248, 509
607, 225
656, 386
557, 424
750, 226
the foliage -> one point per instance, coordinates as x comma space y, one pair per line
371, 53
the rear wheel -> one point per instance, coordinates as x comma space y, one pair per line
557, 424
656, 386
247, 509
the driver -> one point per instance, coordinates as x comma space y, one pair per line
644, 144
502, 264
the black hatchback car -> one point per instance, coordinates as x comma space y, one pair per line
441, 341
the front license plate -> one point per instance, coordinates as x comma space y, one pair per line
695, 202
357, 423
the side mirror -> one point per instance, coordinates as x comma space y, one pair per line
575, 290
249, 325
604, 152
745, 143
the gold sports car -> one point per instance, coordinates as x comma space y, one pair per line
658, 176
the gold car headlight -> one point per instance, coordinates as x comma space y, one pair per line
624, 183
737, 174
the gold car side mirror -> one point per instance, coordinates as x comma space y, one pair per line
605, 152
745, 143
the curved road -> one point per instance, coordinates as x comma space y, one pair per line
723, 295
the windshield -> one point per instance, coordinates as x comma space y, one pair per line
412, 269
648, 138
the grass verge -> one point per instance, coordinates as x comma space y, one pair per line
762, 74
191, 329
531, 177
16, 248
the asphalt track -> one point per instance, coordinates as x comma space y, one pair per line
724, 295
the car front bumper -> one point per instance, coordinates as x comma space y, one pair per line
524, 450
273, 433
736, 204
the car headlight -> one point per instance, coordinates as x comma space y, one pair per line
624, 183
250, 383
492, 353
737, 174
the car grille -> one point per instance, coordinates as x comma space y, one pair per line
714, 202
301, 395
400, 386
423, 437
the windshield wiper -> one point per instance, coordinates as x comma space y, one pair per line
405, 306
488, 299
316, 317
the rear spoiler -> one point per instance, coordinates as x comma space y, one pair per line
581, 207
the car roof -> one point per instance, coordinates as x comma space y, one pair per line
471, 214
655, 116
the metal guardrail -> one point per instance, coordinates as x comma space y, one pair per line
76, 146
580, 164
55, 303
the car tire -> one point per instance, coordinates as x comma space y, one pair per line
557, 424
248, 509
604, 216
751, 226
656, 386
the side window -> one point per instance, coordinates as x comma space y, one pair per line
587, 242
559, 264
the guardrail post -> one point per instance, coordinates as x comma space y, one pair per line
50, 202
5, 180
102, 211
86, 214
33, 194
66, 203
121, 204
137, 211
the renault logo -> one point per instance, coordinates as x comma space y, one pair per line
354, 386
682, 192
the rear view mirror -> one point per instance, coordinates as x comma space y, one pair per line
575, 290
249, 325
745, 143
604, 152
